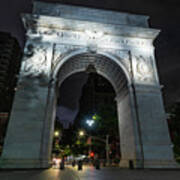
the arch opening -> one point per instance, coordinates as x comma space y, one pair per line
96, 104
113, 73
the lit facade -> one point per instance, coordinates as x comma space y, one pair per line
63, 40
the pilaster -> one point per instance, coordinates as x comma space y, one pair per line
156, 143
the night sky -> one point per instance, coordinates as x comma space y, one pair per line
164, 15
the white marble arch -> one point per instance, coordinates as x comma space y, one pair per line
63, 40
131, 146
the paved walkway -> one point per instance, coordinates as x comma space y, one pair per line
89, 173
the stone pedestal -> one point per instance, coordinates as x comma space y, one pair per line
156, 143
130, 142
23, 146
144, 136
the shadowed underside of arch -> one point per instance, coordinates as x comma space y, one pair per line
102, 65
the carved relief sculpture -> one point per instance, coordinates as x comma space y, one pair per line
35, 61
144, 69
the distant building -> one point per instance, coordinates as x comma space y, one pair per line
96, 92
10, 59
3, 125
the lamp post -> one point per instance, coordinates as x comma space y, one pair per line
90, 122
57, 137
81, 133
56, 134
107, 148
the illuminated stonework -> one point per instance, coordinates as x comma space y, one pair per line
35, 64
63, 40
144, 72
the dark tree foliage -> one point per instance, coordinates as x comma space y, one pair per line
68, 142
174, 128
97, 103
107, 122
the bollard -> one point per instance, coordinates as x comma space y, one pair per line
131, 165
97, 164
79, 165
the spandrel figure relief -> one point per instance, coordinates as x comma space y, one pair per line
35, 63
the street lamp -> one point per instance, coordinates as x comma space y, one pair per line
81, 133
56, 133
90, 122
94, 116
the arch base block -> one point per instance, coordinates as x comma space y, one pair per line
128, 163
159, 164
149, 164
24, 164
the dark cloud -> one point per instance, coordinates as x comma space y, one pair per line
10, 20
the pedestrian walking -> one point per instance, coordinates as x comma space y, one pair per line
97, 164
62, 167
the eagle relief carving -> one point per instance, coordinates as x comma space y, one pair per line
123, 56
144, 69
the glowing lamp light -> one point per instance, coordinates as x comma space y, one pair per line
94, 117
92, 154
90, 122
81, 133
56, 133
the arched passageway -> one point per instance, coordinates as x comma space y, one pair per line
86, 104
112, 71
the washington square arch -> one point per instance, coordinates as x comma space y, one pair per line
63, 40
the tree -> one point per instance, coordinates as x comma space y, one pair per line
174, 128
107, 122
